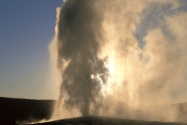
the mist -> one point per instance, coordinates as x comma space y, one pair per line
120, 58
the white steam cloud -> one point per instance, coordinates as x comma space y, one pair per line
104, 69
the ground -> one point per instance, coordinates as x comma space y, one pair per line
104, 121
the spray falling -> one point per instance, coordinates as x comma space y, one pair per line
109, 68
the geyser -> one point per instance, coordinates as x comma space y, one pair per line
78, 47
108, 67
83, 72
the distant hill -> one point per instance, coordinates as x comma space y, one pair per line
18, 110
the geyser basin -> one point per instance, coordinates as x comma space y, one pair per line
94, 120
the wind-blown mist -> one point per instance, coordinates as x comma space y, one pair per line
112, 63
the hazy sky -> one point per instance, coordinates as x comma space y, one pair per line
26, 29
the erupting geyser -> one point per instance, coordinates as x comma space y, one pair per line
108, 67
78, 47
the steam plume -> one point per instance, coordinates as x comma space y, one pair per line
105, 70
78, 47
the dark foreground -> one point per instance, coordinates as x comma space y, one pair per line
104, 121
18, 111
14, 111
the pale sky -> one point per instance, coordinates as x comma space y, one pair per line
26, 29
